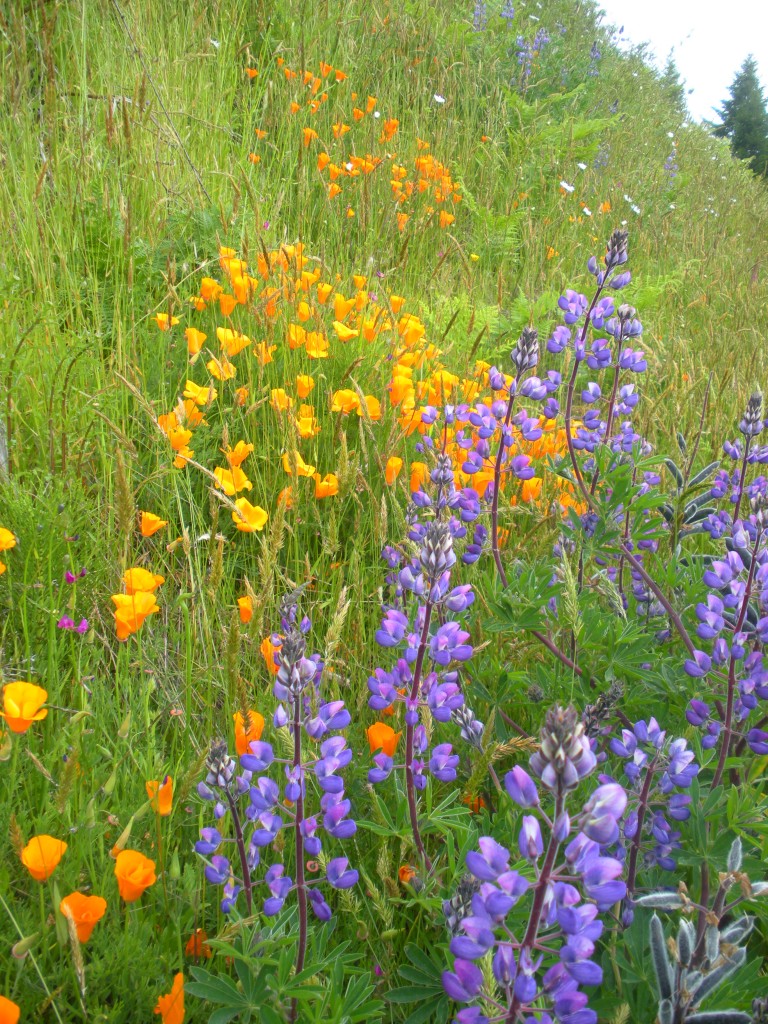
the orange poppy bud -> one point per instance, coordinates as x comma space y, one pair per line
382, 737
394, 465
161, 795
268, 650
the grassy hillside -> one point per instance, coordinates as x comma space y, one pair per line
441, 176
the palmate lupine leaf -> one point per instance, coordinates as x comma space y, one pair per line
426, 988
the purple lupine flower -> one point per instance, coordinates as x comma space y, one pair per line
521, 787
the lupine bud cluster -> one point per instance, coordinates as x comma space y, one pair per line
266, 795
569, 882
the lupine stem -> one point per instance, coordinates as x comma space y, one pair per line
642, 810
247, 886
728, 723
409, 731
742, 477
497, 489
301, 888
540, 892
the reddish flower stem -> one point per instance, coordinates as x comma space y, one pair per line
642, 810
409, 731
728, 723
301, 886
540, 891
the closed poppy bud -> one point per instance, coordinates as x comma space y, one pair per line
134, 873
245, 605
161, 795
9, 1011
268, 653
41, 855
22, 705
84, 911
171, 1006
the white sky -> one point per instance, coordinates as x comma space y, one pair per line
711, 41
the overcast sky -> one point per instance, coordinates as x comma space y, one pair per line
710, 41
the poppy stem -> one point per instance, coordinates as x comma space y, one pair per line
161, 857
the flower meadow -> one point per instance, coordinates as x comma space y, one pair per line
383, 523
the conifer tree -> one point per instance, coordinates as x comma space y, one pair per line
745, 118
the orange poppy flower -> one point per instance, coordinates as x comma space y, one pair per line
7, 541
406, 873
22, 705
9, 1011
134, 873
394, 465
373, 405
171, 1006
304, 384
260, 133
236, 456
245, 604
268, 650
249, 518
251, 72
41, 855
195, 340
131, 610
327, 487
150, 524
419, 475
280, 400
200, 394
293, 459
232, 480
317, 345
241, 394
309, 134
139, 581
243, 736
285, 497
210, 289
85, 912
382, 737
165, 321
345, 401
323, 292
161, 795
